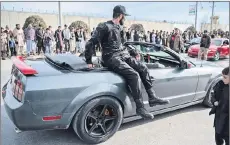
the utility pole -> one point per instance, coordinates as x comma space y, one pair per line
196, 15
212, 15
59, 13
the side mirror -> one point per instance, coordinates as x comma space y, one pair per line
185, 65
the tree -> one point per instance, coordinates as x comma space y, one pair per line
35, 20
80, 24
191, 29
137, 27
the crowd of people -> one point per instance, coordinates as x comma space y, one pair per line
173, 40
39, 40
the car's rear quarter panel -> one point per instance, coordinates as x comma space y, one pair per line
65, 94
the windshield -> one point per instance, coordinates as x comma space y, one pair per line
155, 51
216, 42
195, 40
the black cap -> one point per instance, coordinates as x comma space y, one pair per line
120, 10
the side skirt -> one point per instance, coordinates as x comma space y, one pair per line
132, 118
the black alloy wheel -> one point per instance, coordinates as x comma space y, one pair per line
98, 120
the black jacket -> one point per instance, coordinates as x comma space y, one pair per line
221, 121
108, 35
205, 41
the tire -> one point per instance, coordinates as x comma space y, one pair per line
82, 118
217, 56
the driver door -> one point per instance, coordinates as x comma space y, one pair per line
175, 84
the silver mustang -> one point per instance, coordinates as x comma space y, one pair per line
59, 91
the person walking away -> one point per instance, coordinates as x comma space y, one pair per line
204, 45
3, 44
30, 39
136, 36
39, 39
59, 40
220, 101
47, 41
72, 41
12, 46
66, 37
19, 39
176, 42
119, 61
166, 39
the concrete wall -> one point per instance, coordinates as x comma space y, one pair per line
11, 18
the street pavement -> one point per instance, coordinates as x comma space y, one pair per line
189, 126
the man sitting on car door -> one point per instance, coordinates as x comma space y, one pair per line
119, 61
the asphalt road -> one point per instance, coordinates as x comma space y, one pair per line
189, 126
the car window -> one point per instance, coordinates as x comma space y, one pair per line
216, 42
195, 40
153, 51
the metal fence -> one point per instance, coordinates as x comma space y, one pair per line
89, 15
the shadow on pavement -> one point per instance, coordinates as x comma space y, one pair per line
162, 116
68, 137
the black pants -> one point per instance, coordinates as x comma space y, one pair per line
220, 139
134, 72
13, 51
67, 45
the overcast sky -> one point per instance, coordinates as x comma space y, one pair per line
170, 11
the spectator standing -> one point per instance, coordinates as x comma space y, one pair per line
47, 41
59, 39
39, 38
79, 38
82, 32
9, 33
30, 39
3, 44
66, 37
19, 39
176, 42
128, 35
204, 45
136, 36
12, 46
220, 101
72, 41
164, 37
153, 37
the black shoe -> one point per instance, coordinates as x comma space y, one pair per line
157, 101
154, 100
144, 113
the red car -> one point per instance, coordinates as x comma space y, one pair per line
219, 48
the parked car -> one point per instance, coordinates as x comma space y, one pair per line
193, 41
60, 91
216, 50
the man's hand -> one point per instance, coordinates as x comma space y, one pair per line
216, 103
90, 65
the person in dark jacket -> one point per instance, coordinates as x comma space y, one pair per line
220, 101
39, 38
204, 45
136, 36
118, 60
